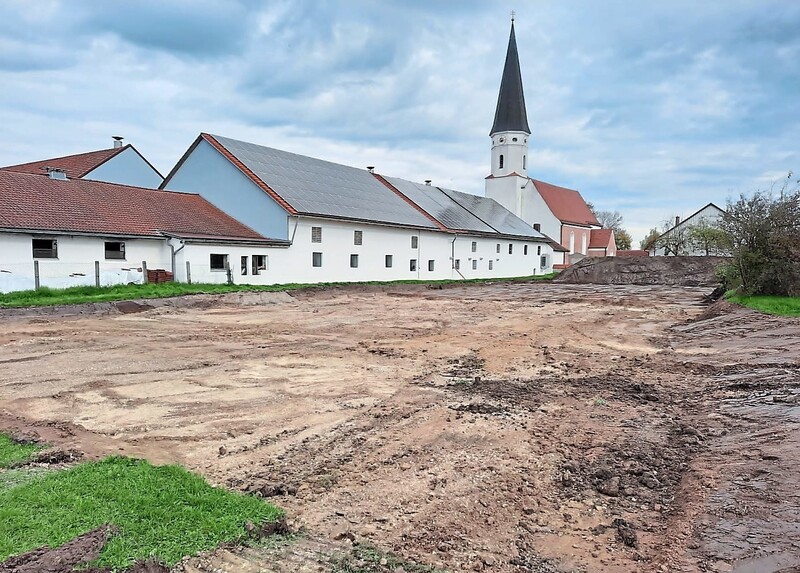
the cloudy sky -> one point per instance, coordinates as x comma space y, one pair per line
653, 110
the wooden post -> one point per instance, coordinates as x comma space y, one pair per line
97, 274
36, 274
188, 272
230, 274
144, 272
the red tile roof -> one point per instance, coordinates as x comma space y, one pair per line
32, 202
633, 253
566, 204
76, 166
600, 238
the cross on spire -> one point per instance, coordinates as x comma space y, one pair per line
513, 15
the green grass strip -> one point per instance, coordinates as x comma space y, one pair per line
165, 512
777, 305
76, 295
12, 453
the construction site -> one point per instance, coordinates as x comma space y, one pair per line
510, 427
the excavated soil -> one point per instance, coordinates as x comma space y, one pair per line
674, 271
507, 427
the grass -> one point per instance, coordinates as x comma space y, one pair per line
165, 512
76, 295
778, 305
12, 453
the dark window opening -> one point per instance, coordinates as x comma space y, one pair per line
474, 246
316, 259
491, 265
412, 265
115, 250
539, 250
430, 264
537, 227
388, 261
498, 247
219, 262
244, 265
501, 161
316, 234
525, 250
474, 264
358, 237
353, 261
510, 248
414, 241
45, 249
457, 264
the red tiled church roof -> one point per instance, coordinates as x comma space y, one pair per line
566, 204
76, 166
36, 203
633, 253
599, 238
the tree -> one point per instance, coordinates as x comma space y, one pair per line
708, 237
764, 234
674, 241
649, 242
623, 239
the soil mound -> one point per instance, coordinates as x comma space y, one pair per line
676, 271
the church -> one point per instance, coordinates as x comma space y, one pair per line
289, 218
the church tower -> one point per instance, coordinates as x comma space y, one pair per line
510, 133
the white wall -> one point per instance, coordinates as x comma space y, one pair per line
75, 263
709, 214
534, 210
126, 168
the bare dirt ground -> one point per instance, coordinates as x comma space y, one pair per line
507, 427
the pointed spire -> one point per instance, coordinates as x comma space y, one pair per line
510, 114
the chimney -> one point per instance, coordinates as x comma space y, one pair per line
427, 182
56, 173
677, 220
117, 141
371, 168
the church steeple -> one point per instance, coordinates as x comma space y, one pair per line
510, 114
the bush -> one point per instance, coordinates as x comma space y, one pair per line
764, 233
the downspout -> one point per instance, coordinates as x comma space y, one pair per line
453, 256
173, 252
294, 231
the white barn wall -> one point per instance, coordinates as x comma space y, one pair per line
127, 168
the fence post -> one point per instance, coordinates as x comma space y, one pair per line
188, 272
230, 274
97, 274
36, 274
144, 272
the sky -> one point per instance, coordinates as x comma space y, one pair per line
651, 108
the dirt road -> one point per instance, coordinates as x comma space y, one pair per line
525, 427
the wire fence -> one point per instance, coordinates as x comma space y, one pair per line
57, 274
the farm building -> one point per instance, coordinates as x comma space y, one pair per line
678, 238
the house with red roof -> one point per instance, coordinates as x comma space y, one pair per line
61, 232
557, 212
122, 163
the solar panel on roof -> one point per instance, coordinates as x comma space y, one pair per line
317, 187
494, 214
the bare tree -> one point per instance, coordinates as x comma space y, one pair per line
674, 241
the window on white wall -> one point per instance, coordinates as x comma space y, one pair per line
259, 264
414, 241
524, 162
388, 261
45, 249
498, 247
538, 249
244, 265
474, 246
457, 264
316, 259
537, 227
491, 265
218, 262
543, 262
358, 237
353, 261
501, 161
430, 264
316, 234
412, 265
525, 250
114, 250
474, 264
511, 248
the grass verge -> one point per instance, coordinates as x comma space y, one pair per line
76, 295
165, 512
777, 305
13, 453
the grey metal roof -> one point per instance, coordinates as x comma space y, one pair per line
440, 206
494, 214
510, 114
316, 187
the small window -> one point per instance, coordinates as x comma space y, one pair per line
115, 250
219, 262
45, 249
413, 265
389, 261
457, 264
358, 237
543, 262
524, 163
514, 139
498, 247
244, 265
510, 248
537, 227
501, 161
538, 249
430, 264
414, 241
259, 264
316, 259
491, 265
316, 234
353, 261
474, 246
474, 264
525, 250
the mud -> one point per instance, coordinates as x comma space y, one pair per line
507, 427
683, 271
